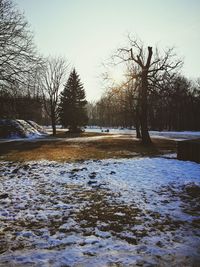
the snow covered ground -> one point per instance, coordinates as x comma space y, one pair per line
126, 212
165, 134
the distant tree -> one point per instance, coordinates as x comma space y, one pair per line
92, 113
53, 77
72, 107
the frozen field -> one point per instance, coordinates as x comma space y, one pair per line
128, 212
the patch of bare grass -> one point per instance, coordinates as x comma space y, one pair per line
104, 148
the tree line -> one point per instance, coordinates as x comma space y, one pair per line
174, 107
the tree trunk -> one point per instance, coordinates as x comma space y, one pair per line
73, 128
137, 122
137, 126
53, 123
54, 129
143, 114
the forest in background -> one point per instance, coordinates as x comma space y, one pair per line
174, 106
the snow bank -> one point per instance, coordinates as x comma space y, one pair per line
20, 129
129, 212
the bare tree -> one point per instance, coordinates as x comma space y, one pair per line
18, 57
151, 68
53, 79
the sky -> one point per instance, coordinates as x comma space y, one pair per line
87, 32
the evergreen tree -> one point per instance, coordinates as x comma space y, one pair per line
72, 107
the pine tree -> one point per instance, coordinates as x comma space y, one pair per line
72, 110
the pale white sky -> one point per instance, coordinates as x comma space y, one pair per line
87, 32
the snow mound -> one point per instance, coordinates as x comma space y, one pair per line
38, 127
20, 129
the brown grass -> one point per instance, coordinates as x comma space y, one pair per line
66, 134
59, 150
